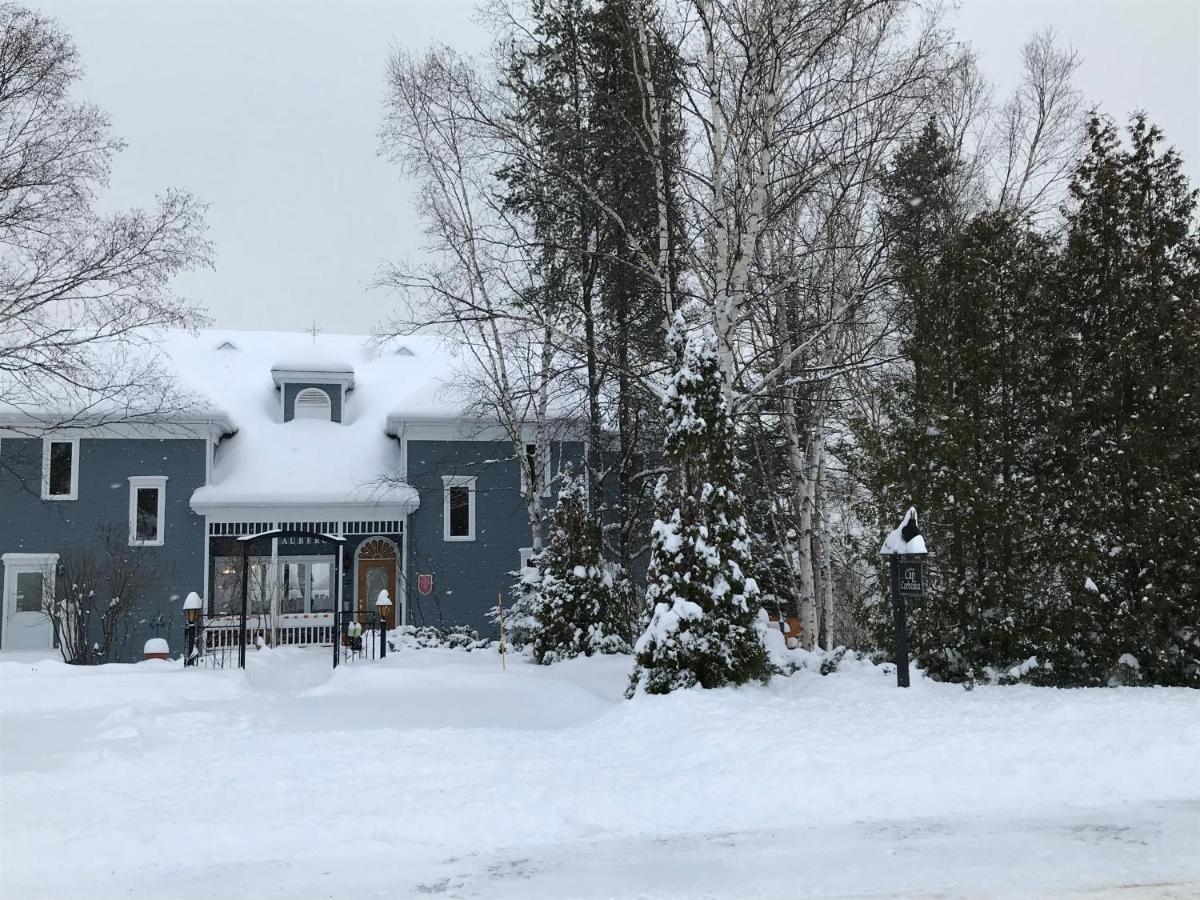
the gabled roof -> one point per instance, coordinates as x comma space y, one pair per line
267, 462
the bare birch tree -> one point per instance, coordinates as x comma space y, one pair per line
1040, 131
77, 288
482, 276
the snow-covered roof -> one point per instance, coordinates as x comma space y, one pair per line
266, 462
227, 383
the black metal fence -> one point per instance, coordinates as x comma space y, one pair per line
218, 642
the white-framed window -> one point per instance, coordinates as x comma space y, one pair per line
458, 507
147, 510
306, 583
540, 468
526, 558
313, 403
60, 469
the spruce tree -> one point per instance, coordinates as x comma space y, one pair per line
1125, 466
704, 622
964, 425
587, 188
573, 602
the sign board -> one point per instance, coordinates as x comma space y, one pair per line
912, 582
425, 584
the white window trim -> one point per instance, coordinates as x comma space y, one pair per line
74, 442
148, 481
545, 467
309, 561
453, 481
526, 554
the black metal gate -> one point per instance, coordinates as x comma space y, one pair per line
216, 640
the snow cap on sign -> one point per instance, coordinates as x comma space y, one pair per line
905, 539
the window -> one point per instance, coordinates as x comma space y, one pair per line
458, 507
60, 469
527, 558
306, 585
228, 587
540, 470
300, 584
147, 510
31, 591
313, 403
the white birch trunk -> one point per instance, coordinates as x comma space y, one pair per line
825, 562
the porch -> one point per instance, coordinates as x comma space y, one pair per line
287, 578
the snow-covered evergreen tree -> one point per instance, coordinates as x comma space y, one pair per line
704, 618
574, 600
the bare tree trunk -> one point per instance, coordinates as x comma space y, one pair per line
825, 562
653, 120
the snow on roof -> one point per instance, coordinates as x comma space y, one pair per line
316, 358
269, 462
896, 544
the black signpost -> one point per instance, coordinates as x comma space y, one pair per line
906, 566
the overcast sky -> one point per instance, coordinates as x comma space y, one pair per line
268, 111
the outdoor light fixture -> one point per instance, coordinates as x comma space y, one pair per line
192, 605
382, 604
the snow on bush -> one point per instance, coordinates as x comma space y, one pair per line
572, 608
418, 637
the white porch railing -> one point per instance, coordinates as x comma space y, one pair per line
287, 628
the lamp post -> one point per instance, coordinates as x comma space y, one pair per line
383, 603
905, 551
192, 605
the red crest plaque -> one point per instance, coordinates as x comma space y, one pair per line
425, 584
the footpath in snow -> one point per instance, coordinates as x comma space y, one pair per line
434, 773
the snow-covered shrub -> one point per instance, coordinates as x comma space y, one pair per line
572, 606
1127, 672
832, 660
459, 637
518, 619
703, 626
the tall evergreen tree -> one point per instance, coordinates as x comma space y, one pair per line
965, 425
1126, 465
588, 186
704, 624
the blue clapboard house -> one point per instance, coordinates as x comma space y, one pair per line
288, 439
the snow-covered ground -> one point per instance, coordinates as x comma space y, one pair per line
435, 773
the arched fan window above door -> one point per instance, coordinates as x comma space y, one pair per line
313, 403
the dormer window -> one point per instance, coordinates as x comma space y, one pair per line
313, 389
314, 403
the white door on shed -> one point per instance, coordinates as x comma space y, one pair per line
28, 585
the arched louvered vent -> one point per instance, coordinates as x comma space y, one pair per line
313, 403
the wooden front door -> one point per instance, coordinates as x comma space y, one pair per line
377, 572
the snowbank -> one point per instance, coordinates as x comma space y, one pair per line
436, 772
